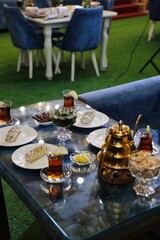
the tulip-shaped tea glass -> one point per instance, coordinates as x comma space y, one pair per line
146, 137
68, 99
64, 118
5, 116
144, 167
56, 177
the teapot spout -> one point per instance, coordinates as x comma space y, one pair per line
136, 124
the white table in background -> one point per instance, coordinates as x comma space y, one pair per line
48, 25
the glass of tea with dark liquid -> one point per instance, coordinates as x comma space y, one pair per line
55, 169
68, 99
146, 137
5, 116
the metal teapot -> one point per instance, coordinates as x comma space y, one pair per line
115, 153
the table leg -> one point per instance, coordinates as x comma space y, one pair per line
104, 43
4, 226
48, 49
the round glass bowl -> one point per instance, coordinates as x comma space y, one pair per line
83, 161
144, 167
82, 158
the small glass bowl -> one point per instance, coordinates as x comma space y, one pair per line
82, 157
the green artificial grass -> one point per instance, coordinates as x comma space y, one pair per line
123, 38
126, 42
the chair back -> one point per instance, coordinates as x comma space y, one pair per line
107, 4
84, 30
41, 3
22, 34
154, 9
72, 2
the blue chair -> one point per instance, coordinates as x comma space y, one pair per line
82, 34
107, 4
42, 3
154, 16
72, 2
22, 36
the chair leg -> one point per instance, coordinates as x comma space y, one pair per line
93, 55
82, 60
152, 30
30, 64
63, 57
42, 58
58, 61
54, 60
19, 60
72, 66
25, 58
37, 58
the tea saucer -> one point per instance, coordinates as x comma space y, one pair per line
14, 120
66, 186
44, 175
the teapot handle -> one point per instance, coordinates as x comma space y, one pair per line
104, 151
135, 126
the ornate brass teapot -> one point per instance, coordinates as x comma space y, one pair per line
114, 155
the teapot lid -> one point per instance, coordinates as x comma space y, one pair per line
120, 129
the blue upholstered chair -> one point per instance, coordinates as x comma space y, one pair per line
41, 3
82, 34
154, 15
107, 4
72, 2
22, 36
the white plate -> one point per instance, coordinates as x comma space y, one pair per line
18, 157
98, 120
97, 137
26, 135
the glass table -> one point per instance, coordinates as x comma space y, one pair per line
93, 209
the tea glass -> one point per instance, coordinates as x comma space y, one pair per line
5, 116
68, 99
57, 179
145, 143
55, 169
144, 167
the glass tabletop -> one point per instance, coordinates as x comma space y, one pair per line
92, 208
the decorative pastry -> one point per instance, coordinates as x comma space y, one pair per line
36, 153
87, 117
12, 134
